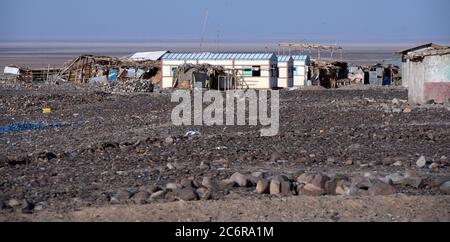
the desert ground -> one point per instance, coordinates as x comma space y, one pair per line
349, 154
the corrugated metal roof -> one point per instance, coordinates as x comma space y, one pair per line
283, 58
300, 57
152, 55
217, 56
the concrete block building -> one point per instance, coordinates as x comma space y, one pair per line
427, 74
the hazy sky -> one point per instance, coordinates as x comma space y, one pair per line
237, 20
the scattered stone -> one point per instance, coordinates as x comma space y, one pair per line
141, 197
171, 186
13, 203
207, 182
187, 194
149, 188
311, 190
421, 162
395, 101
259, 174
320, 180
187, 183
330, 187
263, 186
47, 156
39, 207
227, 184
361, 183
241, 180
412, 179
203, 193
286, 188
396, 110
170, 166
394, 179
380, 188
275, 187
168, 141
342, 188
434, 167
398, 163
445, 187
348, 162
27, 207
123, 195
158, 195
407, 110
305, 178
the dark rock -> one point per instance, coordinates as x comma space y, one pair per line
320, 180
380, 188
27, 207
227, 184
241, 180
208, 183
445, 187
259, 174
330, 187
361, 182
187, 194
203, 193
286, 188
141, 197
47, 156
19, 160
122, 195
149, 188
187, 183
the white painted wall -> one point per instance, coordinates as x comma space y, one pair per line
300, 77
285, 77
432, 69
265, 81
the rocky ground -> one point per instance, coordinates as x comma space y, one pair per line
355, 154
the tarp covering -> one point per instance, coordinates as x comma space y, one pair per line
11, 70
154, 55
112, 74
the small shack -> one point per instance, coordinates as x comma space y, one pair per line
285, 71
256, 70
30, 75
427, 73
384, 75
417, 49
90, 68
301, 70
